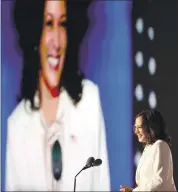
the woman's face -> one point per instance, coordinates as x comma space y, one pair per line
53, 42
139, 130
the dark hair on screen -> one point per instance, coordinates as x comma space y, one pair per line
28, 19
155, 126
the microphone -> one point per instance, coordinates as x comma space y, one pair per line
97, 162
91, 162
88, 164
57, 160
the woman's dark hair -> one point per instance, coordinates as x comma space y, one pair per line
28, 19
155, 126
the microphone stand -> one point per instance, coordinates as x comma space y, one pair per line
89, 163
76, 177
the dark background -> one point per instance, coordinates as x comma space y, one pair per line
162, 15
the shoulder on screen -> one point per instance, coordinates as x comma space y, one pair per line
89, 88
90, 95
21, 113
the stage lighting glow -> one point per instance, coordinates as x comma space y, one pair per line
152, 66
139, 59
137, 158
151, 33
139, 92
152, 100
139, 25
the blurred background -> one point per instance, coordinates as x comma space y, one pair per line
131, 51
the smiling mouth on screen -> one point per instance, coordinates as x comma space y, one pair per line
54, 62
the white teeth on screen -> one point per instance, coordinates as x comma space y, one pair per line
53, 61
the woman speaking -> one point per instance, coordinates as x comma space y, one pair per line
155, 168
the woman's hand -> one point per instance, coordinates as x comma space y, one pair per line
125, 188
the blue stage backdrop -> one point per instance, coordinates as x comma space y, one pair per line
106, 59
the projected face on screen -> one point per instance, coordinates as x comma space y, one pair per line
53, 42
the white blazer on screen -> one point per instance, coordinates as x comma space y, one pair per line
81, 134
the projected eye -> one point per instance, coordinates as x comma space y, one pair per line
49, 23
